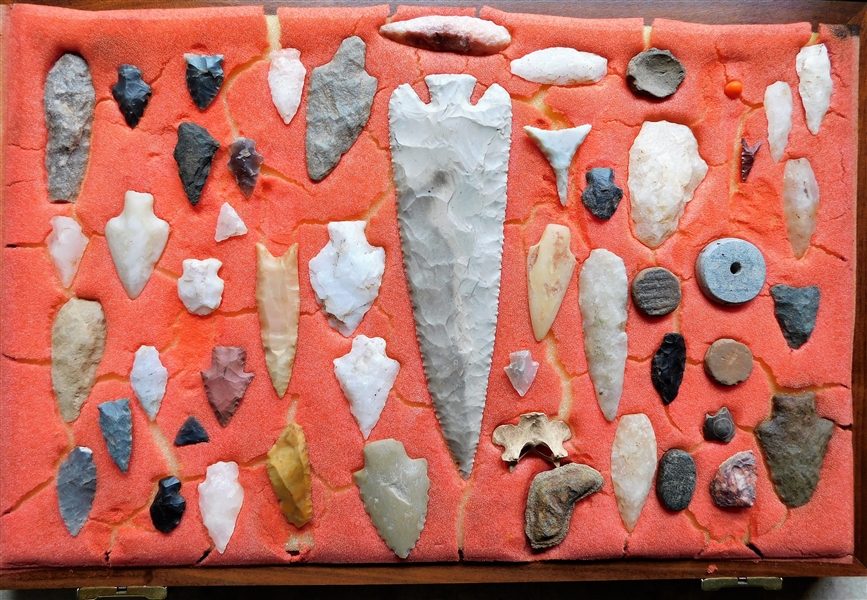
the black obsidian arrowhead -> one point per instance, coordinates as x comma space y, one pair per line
131, 94
244, 164
169, 505
667, 366
191, 432
601, 196
194, 154
204, 77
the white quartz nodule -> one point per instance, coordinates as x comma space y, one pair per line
602, 292
559, 147
66, 246
346, 275
229, 224
800, 203
286, 79
665, 169
220, 500
633, 465
200, 288
560, 66
366, 376
136, 240
521, 371
815, 85
148, 379
778, 109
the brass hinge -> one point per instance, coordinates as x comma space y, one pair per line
712, 584
149, 592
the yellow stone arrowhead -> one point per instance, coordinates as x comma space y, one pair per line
289, 469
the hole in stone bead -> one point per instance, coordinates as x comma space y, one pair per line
735, 268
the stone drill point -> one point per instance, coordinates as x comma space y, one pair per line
552, 498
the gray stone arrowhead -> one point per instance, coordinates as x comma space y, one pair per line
796, 309
115, 422
77, 346
338, 107
450, 163
76, 487
69, 99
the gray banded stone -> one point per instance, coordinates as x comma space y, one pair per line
730, 271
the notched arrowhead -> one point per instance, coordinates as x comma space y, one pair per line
533, 431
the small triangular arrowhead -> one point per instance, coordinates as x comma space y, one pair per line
204, 77
559, 147
131, 94
796, 309
115, 422
226, 382
194, 153
191, 432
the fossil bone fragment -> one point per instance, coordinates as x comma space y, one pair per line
286, 80
532, 431
633, 465
279, 304
800, 203
346, 275
560, 66
77, 346
814, 84
394, 489
602, 292
289, 470
550, 265
559, 147
521, 371
229, 224
552, 498
136, 240
66, 245
220, 500
450, 162
366, 376
778, 108
452, 33
148, 379
200, 288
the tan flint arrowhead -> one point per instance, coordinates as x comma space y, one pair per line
550, 264
279, 303
289, 469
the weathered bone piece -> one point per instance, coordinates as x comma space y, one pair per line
200, 288
220, 500
550, 265
338, 107
225, 381
136, 240
800, 204
244, 164
603, 290
115, 422
229, 224
458, 34
521, 371
559, 147
66, 245
194, 153
778, 108
450, 162
204, 77
286, 80
279, 304
76, 488
69, 100
633, 465
814, 83
289, 470
532, 431
552, 498
131, 94
394, 489
346, 275
77, 346
560, 66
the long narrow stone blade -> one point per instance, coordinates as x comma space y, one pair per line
450, 163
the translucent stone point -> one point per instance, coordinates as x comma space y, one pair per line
229, 224
521, 371
366, 376
778, 109
148, 379
279, 305
815, 84
286, 80
800, 203
633, 465
66, 245
220, 500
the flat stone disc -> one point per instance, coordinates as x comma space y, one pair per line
656, 291
728, 362
730, 271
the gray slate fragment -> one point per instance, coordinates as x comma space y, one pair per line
552, 498
194, 152
656, 291
115, 422
675, 479
796, 309
76, 488
204, 77
730, 271
654, 73
69, 99
601, 196
77, 346
719, 427
794, 441
338, 107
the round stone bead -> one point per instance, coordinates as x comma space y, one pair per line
730, 271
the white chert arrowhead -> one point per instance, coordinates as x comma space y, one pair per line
200, 288
665, 168
778, 109
560, 66
633, 465
346, 275
366, 376
550, 264
450, 160
66, 246
220, 500
602, 292
136, 239
521, 371
559, 147
800, 203
286, 79
229, 224
148, 379
394, 489
814, 84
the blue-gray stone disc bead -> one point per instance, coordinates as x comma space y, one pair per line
730, 271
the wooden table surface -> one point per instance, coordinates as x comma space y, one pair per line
719, 11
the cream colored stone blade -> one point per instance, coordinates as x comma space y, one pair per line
279, 304
550, 264
633, 465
